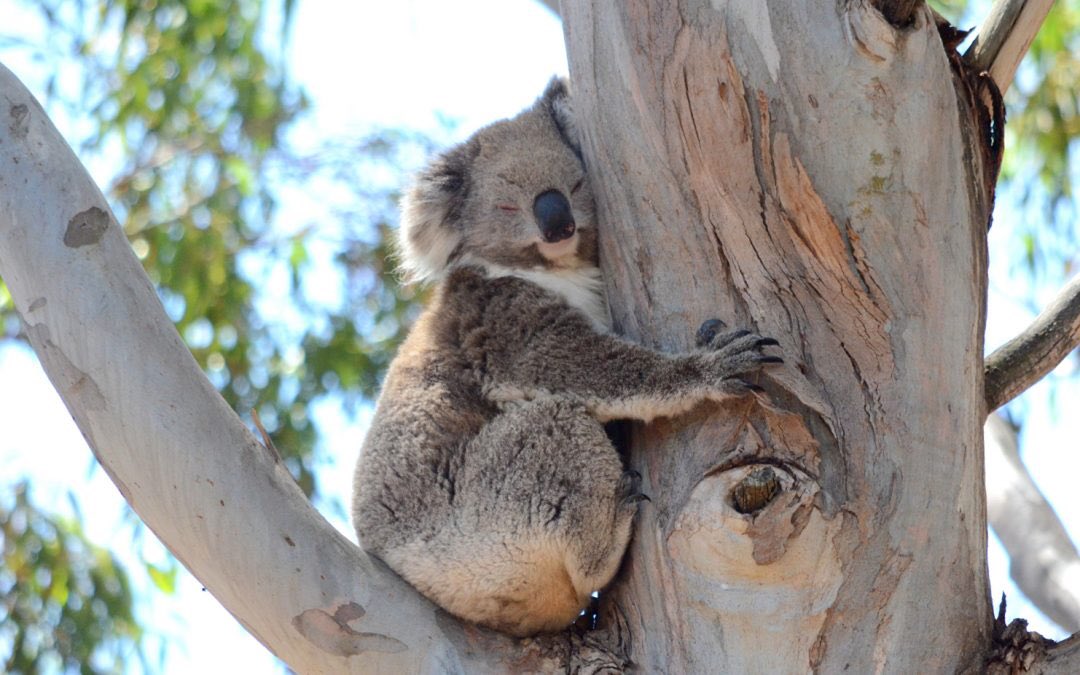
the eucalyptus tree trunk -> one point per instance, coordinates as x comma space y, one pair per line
806, 169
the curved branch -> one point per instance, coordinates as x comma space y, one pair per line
1005, 36
184, 461
1028, 357
219, 500
1043, 561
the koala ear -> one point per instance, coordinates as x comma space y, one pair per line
430, 230
556, 99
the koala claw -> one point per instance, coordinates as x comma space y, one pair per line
770, 359
637, 498
766, 342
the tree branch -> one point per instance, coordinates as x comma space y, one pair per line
1005, 36
1028, 357
1062, 659
1042, 559
184, 461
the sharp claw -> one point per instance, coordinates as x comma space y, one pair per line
770, 359
752, 387
636, 498
766, 342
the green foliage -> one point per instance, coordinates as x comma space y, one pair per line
1044, 116
64, 602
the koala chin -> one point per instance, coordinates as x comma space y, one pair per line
486, 479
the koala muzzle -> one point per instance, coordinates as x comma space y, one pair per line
554, 216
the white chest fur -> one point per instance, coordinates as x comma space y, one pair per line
582, 288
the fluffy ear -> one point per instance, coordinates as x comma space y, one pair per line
430, 230
556, 99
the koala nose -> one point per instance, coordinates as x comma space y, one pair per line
554, 216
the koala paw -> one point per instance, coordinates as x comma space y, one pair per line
712, 335
733, 354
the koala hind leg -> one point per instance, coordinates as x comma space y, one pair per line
542, 515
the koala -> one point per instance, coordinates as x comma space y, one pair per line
486, 479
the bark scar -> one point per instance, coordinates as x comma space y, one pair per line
20, 120
86, 227
333, 634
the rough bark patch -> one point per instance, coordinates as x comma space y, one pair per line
86, 228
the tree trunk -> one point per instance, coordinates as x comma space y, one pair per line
804, 169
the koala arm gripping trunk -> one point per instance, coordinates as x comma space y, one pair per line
559, 354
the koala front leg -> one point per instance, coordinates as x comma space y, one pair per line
616, 379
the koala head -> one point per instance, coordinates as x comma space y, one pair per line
515, 195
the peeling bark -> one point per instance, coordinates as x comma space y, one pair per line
762, 185
1017, 651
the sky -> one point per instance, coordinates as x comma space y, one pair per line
412, 63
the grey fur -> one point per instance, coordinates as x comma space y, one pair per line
486, 479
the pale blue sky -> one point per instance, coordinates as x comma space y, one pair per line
394, 64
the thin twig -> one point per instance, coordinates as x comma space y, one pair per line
1005, 36
270, 447
1028, 357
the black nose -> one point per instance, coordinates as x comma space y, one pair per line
554, 216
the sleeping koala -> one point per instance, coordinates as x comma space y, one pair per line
486, 479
